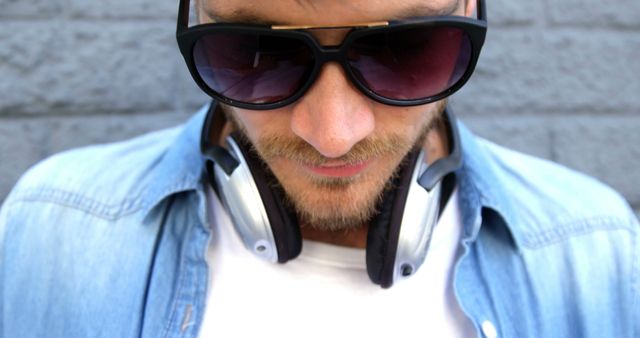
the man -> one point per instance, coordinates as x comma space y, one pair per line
329, 134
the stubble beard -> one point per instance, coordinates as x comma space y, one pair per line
333, 203
341, 203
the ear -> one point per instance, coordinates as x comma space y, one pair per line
470, 8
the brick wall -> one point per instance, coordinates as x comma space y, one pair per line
557, 79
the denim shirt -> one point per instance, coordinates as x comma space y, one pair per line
110, 241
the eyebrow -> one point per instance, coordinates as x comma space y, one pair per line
246, 16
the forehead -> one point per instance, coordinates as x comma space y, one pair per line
323, 12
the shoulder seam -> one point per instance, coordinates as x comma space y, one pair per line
78, 201
575, 228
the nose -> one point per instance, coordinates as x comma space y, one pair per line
333, 115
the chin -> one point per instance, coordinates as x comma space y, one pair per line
334, 204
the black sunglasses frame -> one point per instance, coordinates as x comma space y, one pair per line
188, 36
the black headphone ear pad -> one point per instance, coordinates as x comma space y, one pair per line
384, 229
283, 222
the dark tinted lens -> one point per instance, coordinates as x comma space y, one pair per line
252, 68
413, 63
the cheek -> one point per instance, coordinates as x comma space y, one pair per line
256, 123
409, 120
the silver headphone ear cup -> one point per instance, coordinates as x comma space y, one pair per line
399, 236
384, 229
241, 198
256, 205
419, 217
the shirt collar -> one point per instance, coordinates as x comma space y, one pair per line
179, 169
481, 187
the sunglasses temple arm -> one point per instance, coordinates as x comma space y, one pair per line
183, 16
482, 10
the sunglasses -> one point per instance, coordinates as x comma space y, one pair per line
400, 62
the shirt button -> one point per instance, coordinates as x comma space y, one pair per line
489, 330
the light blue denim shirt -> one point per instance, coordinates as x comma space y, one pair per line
110, 241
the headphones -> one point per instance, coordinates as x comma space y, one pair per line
398, 236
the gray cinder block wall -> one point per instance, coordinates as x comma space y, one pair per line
557, 79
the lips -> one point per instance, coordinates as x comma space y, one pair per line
338, 169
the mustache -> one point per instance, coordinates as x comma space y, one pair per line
296, 149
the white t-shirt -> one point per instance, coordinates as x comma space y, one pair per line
326, 292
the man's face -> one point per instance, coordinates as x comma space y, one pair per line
334, 150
